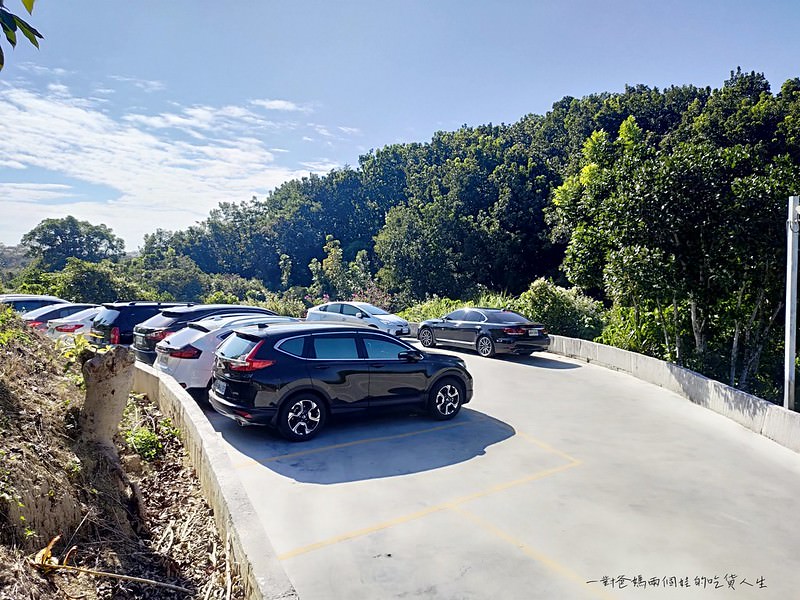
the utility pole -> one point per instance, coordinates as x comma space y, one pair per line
792, 229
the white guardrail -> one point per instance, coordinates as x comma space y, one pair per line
765, 418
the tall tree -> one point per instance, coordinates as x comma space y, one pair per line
53, 241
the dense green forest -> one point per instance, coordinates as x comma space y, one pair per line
666, 206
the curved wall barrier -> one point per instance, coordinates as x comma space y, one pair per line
765, 418
262, 575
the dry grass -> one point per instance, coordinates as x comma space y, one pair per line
50, 485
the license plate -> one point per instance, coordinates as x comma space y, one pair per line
533, 332
138, 340
220, 387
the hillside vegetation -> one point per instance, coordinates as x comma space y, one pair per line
52, 485
668, 206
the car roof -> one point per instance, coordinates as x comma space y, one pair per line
55, 299
214, 322
191, 308
305, 327
133, 303
32, 314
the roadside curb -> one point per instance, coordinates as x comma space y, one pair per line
262, 573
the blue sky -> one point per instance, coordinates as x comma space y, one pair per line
147, 114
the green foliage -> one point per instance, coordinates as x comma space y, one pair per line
83, 281
563, 311
145, 442
53, 241
283, 305
220, 297
12, 327
11, 24
432, 308
144, 430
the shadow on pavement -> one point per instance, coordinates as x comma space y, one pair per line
537, 360
357, 448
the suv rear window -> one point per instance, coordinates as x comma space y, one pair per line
106, 316
164, 319
237, 347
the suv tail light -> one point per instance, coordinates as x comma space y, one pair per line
187, 351
34, 323
69, 328
249, 363
158, 335
114, 335
515, 331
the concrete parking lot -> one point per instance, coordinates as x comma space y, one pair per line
559, 480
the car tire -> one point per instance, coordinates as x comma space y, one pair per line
425, 337
485, 346
302, 417
445, 399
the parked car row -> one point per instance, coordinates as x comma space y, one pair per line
260, 368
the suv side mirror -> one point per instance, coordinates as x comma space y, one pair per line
359, 315
410, 355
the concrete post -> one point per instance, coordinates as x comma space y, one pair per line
792, 228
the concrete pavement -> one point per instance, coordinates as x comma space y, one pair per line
560, 480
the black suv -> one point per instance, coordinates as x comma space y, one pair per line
115, 322
294, 376
148, 333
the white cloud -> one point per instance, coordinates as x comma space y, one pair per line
58, 89
321, 129
40, 70
284, 105
349, 130
147, 85
147, 179
321, 166
33, 192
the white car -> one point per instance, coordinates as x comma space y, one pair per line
188, 354
359, 313
78, 323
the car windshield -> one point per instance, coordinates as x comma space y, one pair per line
506, 316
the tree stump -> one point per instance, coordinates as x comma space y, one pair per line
109, 379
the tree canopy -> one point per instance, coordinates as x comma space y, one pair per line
53, 241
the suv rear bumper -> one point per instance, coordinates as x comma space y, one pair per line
244, 415
146, 356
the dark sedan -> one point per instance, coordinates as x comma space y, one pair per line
489, 331
294, 376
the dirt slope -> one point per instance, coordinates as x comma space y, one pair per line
52, 486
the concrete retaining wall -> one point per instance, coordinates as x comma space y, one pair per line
262, 574
765, 418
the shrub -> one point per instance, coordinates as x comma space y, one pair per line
563, 311
431, 309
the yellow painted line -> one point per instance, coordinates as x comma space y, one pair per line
546, 446
422, 513
550, 563
252, 462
